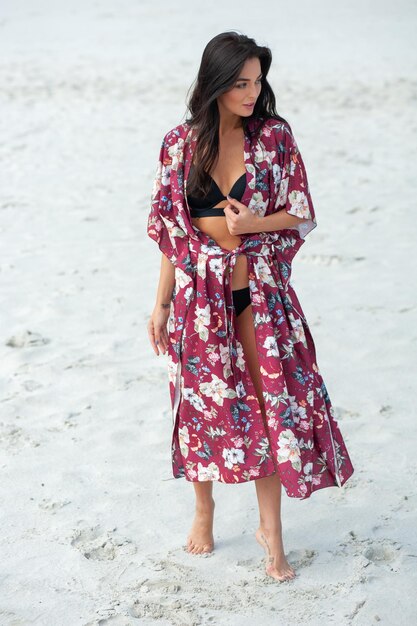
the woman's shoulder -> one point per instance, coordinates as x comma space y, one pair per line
174, 135
276, 128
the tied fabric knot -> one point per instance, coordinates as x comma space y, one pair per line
267, 246
230, 316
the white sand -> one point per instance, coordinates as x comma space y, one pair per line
92, 522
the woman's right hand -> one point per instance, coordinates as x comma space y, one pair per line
157, 328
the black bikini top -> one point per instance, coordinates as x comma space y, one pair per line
206, 207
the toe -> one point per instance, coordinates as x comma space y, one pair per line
272, 571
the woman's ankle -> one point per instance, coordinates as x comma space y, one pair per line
269, 528
204, 505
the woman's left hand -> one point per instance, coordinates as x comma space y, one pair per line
240, 218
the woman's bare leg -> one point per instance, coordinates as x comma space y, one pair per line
268, 489
201, 538
269, 533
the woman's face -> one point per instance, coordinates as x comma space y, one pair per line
245, 91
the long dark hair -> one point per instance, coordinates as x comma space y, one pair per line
221, 64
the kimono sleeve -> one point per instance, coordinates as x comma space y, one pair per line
294, 193
160, 227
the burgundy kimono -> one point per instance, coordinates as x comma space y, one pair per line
218, 429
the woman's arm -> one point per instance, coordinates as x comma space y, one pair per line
157, 325
166, 283
247, 222
276, 221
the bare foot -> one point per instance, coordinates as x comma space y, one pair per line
277, 565
200, 540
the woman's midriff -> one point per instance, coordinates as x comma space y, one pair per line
216, 227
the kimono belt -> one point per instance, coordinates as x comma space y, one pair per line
275, 250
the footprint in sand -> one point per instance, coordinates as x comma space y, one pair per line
162, 600
53, 506
100, 545
27, 339
13, 438
342, 413
382, 553
386, 410
301, 558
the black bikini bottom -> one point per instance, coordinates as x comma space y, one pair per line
241, 299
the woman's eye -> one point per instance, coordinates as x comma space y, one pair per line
240, 85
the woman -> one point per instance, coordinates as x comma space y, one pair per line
230, 208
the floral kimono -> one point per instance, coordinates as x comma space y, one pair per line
218, 430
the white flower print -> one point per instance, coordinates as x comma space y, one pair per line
298, 412
252, 171
211, 472
207, 250
181, 278
201, 264
157, 180
232, 456
201, 321
299, 204
263, 272
181, 222
240, 357
265, 318
276, 173
288, 449
262, 154
176, 152
257, 204
217, 389
216, 266
173, 230
288, 348
224, 353
240, 390
184, 439
188, 295
282, 194
165, 175
194, 399
298, 333
270, 344
225, 358
172, 369
308, 468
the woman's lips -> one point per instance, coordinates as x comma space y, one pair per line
249, 106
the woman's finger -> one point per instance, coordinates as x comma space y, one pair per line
161, 338
236, 203
152, 338
164, 339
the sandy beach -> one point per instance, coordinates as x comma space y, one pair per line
92, 523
